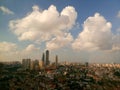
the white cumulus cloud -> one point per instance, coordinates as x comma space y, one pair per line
44, 25
31, 48
5, 10
59, 41
116, 42
96, 34
10, 51
118, 15
7, 51
7, 47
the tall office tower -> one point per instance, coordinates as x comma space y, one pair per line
56, 60
41, 64
47, 58
43, 60
26, 63
36, 65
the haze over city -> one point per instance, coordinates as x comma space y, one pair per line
75, 30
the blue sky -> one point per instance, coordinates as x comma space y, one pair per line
73, 43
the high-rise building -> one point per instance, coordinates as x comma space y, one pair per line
56, 60
43, 60
47, 58
26, 63
36, 65
32, 65
41, 64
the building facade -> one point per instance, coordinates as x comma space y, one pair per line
26, 63
47, 58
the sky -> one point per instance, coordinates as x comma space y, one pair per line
75, 30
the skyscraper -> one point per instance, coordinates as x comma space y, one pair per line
43, 59
47, 58
56, 60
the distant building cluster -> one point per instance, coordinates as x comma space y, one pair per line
45, 75
67, 76
29, 64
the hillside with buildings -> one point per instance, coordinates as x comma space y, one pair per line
44, 75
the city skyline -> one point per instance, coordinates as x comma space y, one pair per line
80, 30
